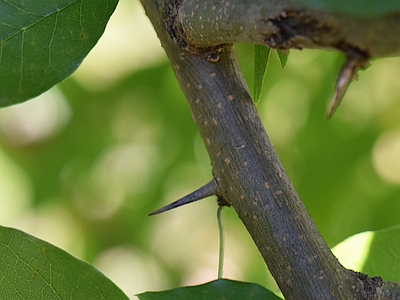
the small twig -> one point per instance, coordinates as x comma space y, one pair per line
205, 191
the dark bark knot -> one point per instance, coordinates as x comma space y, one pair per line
371, 287
178, 35
295, 29
174, 28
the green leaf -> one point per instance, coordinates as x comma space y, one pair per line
217, 289
375, 253
283, 57
33, 269
261, 57
43, 42
364, 8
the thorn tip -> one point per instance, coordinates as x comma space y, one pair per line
354, 62
205, 191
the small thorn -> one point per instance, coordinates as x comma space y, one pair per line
354, 62
205, 191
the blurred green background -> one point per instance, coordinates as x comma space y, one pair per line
83, 165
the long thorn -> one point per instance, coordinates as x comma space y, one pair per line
205, 191
354, 62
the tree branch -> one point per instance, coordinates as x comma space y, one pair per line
282, 24
246, 169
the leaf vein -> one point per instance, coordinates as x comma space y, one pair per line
32, 24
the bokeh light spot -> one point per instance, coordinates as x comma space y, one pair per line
15, 190
36, 120
128, 43
285, 110
132, 270
54, 224
386, 156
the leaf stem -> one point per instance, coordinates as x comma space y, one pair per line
221, 243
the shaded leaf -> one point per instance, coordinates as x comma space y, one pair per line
217, 289
365, 8
261, 58
375, 253
33, 269
283, 57
43, 42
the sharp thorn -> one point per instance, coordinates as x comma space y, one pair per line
205, 191
354, 62
344, 80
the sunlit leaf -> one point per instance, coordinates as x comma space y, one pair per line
373, 253
283, 57
33, 269
261, 57
365, 8
43, 42
218, 289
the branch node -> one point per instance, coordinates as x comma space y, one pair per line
174, 26
223, 202
205, 191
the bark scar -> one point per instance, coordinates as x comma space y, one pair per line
371, 287
294, 29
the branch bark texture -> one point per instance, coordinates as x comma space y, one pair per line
246, 169
284, 25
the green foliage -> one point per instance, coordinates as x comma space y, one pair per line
283, 57
218, 289
261, 57
375, 253
363, 8
33, 269
43, 42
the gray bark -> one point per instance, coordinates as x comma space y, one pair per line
284, 25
